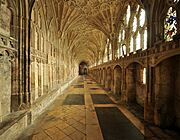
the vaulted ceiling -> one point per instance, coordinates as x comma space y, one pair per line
85, 25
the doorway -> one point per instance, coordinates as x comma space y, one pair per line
83, 68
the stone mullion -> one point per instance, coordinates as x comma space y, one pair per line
107, 52
123, 85
142, 40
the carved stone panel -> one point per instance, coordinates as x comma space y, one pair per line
5, 17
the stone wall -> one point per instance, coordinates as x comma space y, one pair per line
177, 91
5, 83
5, 17
167, 93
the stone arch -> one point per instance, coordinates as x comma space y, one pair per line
100, 74
162, 58
117, 87
135, 88
103, 76
166, 92
83, 66
134, 61
108, 79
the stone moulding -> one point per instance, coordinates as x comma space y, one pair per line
7, 47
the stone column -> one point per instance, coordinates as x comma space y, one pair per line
149, 101
123, 86
114, 43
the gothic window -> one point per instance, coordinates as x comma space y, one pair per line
105, 55
170, 24
142, 17
119, 37
106, 52
176, 1
131, 45
144, 76
128, 14
137, 8
138, 41
133, 33
135, 24
145, 39
124, 49
110, 51
123, 35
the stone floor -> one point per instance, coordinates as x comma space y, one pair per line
74, 116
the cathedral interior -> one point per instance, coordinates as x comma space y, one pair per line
89, 70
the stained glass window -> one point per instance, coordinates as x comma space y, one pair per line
170, 24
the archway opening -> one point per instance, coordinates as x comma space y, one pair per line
167, 93
135, 84
108, 79
117, 81
83, 68
103, 77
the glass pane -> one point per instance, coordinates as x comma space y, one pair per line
128, 14
123, 35
145, 39
131, 45
170, 24
124, 49
138, 8
135, 24
138, 39
120, 37
142, 17
144, 76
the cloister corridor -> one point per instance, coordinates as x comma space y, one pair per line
89, 70
87, 112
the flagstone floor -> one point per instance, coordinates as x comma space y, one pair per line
78, 114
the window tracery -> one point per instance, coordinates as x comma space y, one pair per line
135, 30
135, 24
128, 14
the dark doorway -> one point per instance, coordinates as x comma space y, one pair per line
83, 68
